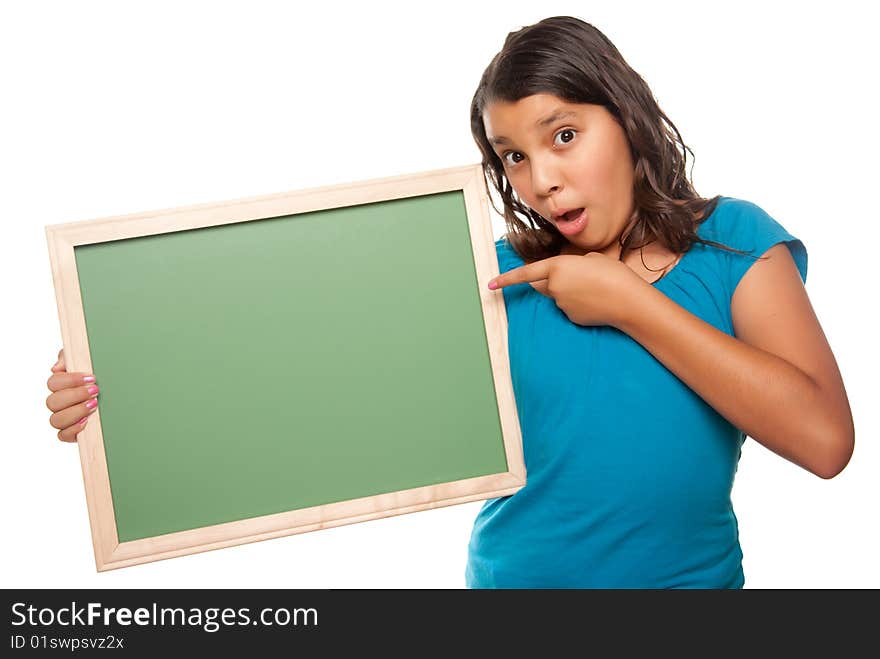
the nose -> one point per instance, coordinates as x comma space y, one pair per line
545, 177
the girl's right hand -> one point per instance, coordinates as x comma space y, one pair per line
73, 399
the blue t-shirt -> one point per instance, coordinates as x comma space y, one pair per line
629, 471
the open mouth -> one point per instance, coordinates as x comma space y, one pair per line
572, 222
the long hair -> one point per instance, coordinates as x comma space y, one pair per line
574, 61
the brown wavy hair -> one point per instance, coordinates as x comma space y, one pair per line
574, 61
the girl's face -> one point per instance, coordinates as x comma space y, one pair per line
560, 156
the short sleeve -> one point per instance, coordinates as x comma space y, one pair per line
746, 226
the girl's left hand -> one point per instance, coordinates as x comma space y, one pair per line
592, 289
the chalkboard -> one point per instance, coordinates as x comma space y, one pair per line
287, 363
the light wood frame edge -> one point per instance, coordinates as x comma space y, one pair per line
309, 519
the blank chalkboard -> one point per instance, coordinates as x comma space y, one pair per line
287, 363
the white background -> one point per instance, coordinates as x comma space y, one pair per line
110, 109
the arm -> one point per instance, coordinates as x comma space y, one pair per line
777, 380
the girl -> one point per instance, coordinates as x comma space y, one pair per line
650, 330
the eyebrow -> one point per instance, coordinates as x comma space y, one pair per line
559, 113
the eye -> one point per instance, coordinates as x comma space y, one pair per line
509, 153
563, 132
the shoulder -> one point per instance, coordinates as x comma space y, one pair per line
746, 226
730, 218
742, 224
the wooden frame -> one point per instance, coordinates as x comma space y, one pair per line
63, 238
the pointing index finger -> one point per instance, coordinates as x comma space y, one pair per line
530, 272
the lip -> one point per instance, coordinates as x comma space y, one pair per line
571, 227
557, 215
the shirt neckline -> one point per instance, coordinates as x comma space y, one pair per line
691, 248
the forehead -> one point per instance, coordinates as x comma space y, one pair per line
505, 121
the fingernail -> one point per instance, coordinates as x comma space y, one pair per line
83, 420
89, 378
93, 390
493, 285
92, 404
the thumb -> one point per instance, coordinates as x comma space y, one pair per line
59, 366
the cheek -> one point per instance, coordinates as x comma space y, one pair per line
603, 170
522, 186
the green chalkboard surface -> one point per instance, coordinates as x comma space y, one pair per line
287, 362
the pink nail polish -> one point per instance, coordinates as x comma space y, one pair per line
83, 420
92, 404
89, 378
93, 389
